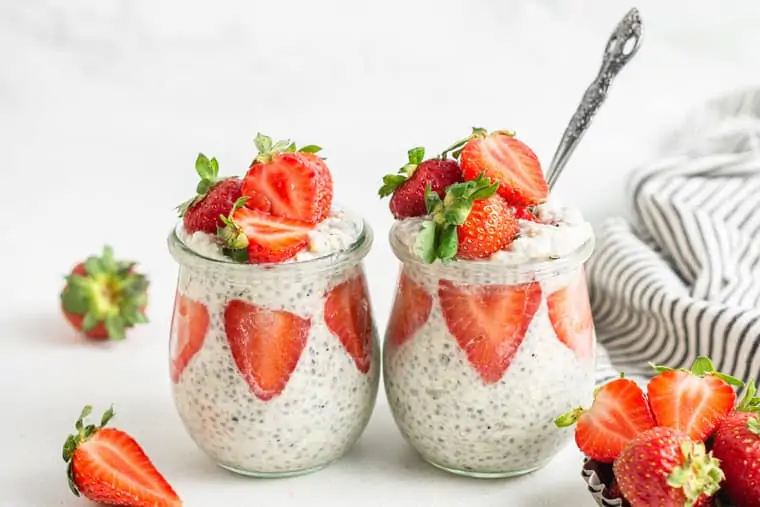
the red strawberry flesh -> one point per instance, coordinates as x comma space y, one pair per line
409, 198
348, 315
204, 216
570, 316
270, 238
411, 309
489, 322
190, 322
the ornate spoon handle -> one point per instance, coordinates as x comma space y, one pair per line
622, 45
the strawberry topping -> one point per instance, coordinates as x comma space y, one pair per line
266, 238
214, 197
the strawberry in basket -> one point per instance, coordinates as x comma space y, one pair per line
654, 445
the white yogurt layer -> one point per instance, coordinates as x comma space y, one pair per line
322, 410
457, 421
562, 231
334, 234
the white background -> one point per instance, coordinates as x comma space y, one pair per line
104, 105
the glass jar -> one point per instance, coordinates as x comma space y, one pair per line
481, 357
274, 368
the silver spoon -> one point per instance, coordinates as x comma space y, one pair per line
622, 45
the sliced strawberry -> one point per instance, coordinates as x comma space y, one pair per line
108, 466
489, 322
265, 345
692, 402
526, 214
570, 315
348, 315
508, 162
620, 413
290, 184
190, 321
410, 312
271, 238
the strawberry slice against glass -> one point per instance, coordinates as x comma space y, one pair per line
570, 316
410, 312
489, 322
265, 345
349, 316
190, 321
619, 413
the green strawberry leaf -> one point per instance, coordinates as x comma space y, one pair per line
416, 155
89, 322
754, 425
263, 143
432, 200
203, 167
115, 327
425, 244
311, 148
448, 243
390, 183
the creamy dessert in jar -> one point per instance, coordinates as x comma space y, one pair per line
274, 354
490, 335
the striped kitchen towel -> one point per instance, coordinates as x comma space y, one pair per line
683, 278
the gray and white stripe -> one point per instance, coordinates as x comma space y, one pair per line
683, 279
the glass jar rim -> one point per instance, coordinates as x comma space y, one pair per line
357, 250
519, 272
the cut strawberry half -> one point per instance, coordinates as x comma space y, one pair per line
348, 314
108, 466
620, 413
489, 322
410, 312
271, 238
265, 345
507, 161
289, 182
190, 321
570, 315
694, 401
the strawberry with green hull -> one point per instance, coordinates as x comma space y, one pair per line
619, 414
692, 401
407, 187
470, 222
104, 297
736, 443
289, 182
108, 466
662, 466
215, 197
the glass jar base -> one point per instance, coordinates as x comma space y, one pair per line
487, 475
272, 475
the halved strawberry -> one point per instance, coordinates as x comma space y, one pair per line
108, 466
190, 321
265, 345
620, 413
489, 322
269, 238
410, 312
570, 315
692, 401
507, 161
348, 315
289, 182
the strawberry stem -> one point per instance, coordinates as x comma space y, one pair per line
570, 418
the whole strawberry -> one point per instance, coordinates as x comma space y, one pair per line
408, 185
108, 466
471, 222
104, 297
663, 467
737, 445
215, 197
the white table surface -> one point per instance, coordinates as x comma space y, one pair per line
104, 105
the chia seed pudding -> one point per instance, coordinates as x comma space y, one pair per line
324, 387
479, 411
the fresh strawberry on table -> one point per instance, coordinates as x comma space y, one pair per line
265, 344
662, 466
289, 182
108, 466
489, 322
104, 297
619, 414
470, 222
692, 401
214, 197
407, 187
505, 160
736, 444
